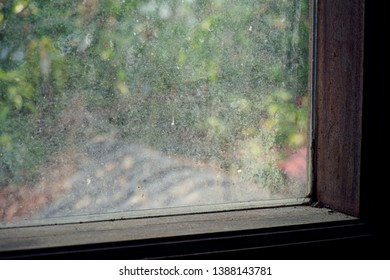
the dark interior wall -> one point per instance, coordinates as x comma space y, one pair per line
374, 197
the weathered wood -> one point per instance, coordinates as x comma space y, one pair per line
339, 92
179, 225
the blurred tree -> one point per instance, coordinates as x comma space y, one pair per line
203, 78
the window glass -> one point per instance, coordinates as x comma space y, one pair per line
123, 105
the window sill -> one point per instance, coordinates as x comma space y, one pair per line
141, 237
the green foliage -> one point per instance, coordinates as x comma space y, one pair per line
199, 78
288, 118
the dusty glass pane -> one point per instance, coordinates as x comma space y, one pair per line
112, 106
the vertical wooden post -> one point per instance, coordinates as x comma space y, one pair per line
339, 91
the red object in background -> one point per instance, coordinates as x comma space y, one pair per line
295, 166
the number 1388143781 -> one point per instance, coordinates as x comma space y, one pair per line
252, 270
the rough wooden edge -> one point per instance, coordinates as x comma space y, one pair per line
13, 239
339, 91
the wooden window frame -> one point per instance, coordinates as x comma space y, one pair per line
342, 148
338, 106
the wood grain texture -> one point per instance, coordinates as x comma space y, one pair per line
339, 93
24, 238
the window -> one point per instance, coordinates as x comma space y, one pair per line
128, 108
331, 148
